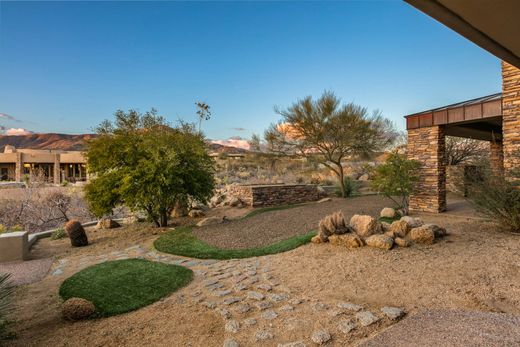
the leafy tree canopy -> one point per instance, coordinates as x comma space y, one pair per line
331, 131
139, 160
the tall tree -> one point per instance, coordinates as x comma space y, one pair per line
329, 131
142, 162
203, 112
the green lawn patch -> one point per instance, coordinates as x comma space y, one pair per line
120, 286
181, 241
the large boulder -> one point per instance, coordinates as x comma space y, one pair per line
346, 240
412, 222
209, 221
107, 223
398, 228
77, 235
437, 230
364, 225
422, 234
387, 212
380, 241
77, 309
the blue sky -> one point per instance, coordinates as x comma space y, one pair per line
66, 66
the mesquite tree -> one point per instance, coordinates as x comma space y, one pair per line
142, 162
330, 132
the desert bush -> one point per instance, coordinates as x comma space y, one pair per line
350, 187
396, 177
497, 198
6, 293
3, 229
58, 234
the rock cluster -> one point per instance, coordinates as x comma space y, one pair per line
223, 197
366, 230
107, 223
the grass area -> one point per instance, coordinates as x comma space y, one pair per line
120, 286
182, 242
270, 209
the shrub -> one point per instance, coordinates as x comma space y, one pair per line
17, 227
58, 234
396, 177
351, 187
6, 293
3, 229
498, 199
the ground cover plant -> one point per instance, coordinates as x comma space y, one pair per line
120, 286
181, 241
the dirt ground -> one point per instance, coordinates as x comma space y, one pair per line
475, 267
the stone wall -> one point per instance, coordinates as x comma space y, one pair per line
496, 157
511, 116
428, 146
274, 195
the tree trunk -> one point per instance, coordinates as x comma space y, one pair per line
164, 219
341, 178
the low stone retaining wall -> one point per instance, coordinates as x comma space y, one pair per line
276, 194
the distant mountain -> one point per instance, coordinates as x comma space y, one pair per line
218, 148
63, 142
66, 142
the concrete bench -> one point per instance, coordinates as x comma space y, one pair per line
14, 246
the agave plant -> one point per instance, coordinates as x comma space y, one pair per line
6, 292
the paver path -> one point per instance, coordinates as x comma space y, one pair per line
255, 307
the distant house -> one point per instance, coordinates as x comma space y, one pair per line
54, 166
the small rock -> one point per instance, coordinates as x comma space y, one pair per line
231, 343
242, 308
349, 306
318, 239
387, 212
393, 313
335, 313
265, 287
262, 335
209, 221
348, 240
232, 326
278, 297
401, 242
269, 314
209, 304
319, 306
295, 301
196, 214
249, 322
222, 292
263, 305
380, 241
293, 344
320, 336
255, 295
107, 223
412, 222
231, 300
287, 308
324, 200
366, 318
224, 313
437, 230
346, 326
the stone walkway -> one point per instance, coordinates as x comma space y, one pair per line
255, 307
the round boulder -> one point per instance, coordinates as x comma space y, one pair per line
77, 309
196, 214
422, 235
387, 212
107, 223
380, 241
364, 225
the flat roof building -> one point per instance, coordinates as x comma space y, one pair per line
54, 166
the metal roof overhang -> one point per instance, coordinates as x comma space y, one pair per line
479, 118
493, 25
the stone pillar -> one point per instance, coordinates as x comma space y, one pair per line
428, 146
18, 167
56, 169
511, 117
496, 157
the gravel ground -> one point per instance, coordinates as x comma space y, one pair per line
267, 228
25, 272
451, 328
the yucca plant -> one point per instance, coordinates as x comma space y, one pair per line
6, 293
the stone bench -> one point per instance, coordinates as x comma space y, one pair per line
14, 246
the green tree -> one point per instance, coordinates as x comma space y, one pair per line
203, 112
142, 162
330, 132
396, 178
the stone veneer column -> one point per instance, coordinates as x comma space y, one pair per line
428, 146
56, 169
511, 116
18, 167
496, 157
